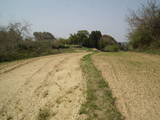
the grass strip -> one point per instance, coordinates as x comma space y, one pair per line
100, 104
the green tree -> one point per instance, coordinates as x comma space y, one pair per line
83, 37
80, 38
94, 39
73, 39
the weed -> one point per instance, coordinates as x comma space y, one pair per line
44, 114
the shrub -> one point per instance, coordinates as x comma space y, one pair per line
57, 44
140, 39
111, 48
106, 40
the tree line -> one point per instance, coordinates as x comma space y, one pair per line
95, 39
17, 43
144, 33
86, 39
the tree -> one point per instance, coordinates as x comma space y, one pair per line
94, 39
40, 36
145, 26
73, 39
106, 40
13, 35
83, 37
80, 38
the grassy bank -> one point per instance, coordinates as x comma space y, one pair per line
24, 54
12, 56
100, 104
151, 51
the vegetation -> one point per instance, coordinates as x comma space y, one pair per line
85, 39
92, 40
111, 48
145, 27
16, 43
106, 40
108, 44
44, 114
100, 104
79, 38
40, 36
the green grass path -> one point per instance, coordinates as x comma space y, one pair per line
100, 104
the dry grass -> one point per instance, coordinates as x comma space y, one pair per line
134, 80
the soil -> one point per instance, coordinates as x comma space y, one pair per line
51, 84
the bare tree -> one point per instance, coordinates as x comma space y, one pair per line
13, 35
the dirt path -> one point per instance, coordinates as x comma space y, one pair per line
42, 88
135, 81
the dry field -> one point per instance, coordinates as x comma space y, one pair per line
42, 88
135, 81
53, 87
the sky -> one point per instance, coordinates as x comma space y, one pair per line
63, 17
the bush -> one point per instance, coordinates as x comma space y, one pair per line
75, 46
105, 41
111, 48
57, 44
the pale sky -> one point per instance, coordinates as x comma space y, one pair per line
63, 17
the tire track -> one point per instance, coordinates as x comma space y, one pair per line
19, 91
20, 64
17, 65
57, 77
43, 84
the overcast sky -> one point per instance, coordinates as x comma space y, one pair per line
63, 17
